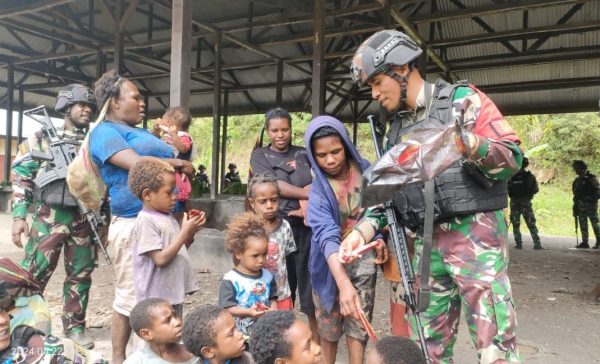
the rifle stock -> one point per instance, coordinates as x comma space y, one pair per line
61, 154
399, 244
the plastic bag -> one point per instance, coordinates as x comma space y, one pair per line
426, 153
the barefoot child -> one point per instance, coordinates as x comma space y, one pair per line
263, 195
209, 332
161, 264
248, 290
173, 128
155, 322
341, 292
279, 338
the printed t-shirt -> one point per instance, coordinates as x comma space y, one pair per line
239, 289
281, 244
347, 194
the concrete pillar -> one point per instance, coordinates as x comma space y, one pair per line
10, 86
216, 118
181, 45
318, 74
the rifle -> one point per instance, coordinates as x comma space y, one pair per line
576, 223
399, 244
62, 153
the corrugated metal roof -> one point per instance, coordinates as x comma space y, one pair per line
488, 63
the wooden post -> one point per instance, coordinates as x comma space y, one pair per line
10, 85
279, 89
318, 66
216, 118
118, 55
181, 45
20, 122
224, 137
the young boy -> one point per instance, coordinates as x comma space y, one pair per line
248, 290
209, 332
173, 128
161, 264
341, 292
155, 322
279, 338
395, 350
263, 196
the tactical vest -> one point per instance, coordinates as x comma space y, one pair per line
519, 186
584, 189
462, 189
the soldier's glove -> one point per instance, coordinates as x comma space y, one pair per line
472, 146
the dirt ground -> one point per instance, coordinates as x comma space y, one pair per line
557, 323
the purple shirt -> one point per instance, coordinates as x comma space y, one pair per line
155, 231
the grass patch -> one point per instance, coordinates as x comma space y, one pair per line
553, 208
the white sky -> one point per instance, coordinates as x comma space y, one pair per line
30, 126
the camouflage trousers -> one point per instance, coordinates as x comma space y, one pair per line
523, 207
585, 211
469, 262
52, 230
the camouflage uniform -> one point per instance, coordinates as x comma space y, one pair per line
521, 189
585, 204
469, 258
52, 228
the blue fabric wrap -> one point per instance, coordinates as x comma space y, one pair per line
323, 214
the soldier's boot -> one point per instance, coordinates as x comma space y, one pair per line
518, 245
537, 246
597, 246
583, 245
82, 339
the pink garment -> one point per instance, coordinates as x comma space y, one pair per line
184, 187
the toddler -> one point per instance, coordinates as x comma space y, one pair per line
155, 322
395, 350
173, 129
209, 332
263, 196
248, 290
278, 337
161, 264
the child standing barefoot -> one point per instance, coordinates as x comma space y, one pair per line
248, 290
155, 322
263, 195
161, 264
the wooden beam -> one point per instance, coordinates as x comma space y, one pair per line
490, 10
318, 66
180, 53
414, 34
32, 7
133, 4
10, 84
541, 85
216, 118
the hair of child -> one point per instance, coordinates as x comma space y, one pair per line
260, 179
148, 173
241, 228
180, 115
277, 113
198, 328
142, 314
107, 86
268, 339
323, 132
399, 350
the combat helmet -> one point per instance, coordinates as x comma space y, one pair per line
73, 94
380, 52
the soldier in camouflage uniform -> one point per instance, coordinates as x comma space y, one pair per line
57, 226
521, 189
469, 253
586, 192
